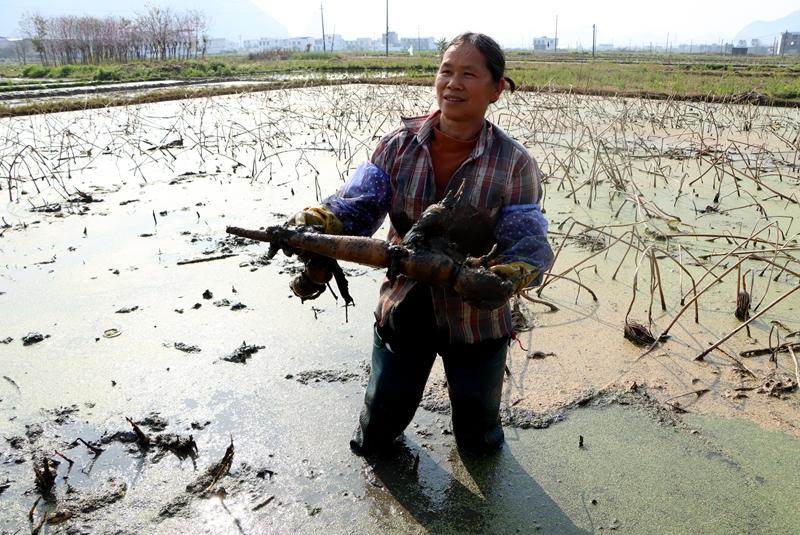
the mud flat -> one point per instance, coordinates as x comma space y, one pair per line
114, 253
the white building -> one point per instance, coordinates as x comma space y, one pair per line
221, 46
544, 44
333, 42
295, 44
418, 43
365, 43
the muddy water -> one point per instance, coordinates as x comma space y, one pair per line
249, 161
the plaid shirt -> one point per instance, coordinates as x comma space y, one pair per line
499, 175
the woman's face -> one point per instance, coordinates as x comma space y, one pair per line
464, 85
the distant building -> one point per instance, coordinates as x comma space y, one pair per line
418, 43
790, 43
333, 43
221, 46
544, 44
365, 43
295, 44
739, 51
394, 40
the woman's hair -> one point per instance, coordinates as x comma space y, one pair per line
491, 51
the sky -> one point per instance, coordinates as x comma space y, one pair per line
514, 23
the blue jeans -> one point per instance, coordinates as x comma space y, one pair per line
400, 368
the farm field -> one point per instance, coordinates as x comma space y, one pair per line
772, 80
666, 216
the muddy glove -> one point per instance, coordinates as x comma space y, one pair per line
319, 217
318, 269
520, 274
313, 280
483, 289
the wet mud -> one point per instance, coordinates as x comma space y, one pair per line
147, 311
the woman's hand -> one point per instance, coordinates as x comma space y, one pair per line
482, 288
311, 283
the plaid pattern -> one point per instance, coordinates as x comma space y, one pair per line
499, 175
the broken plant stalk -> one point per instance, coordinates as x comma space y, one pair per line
745, 324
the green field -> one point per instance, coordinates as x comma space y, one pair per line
769, 80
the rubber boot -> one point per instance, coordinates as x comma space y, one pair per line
396, 384
475, 384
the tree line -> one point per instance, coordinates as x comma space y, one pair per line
157, 34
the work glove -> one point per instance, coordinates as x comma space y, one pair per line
319, 217
312, 281
520, 274
483, 289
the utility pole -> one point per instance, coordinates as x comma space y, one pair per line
322, 16
555, 41
387, 28
594, 39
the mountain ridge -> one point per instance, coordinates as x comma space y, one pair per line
768, 30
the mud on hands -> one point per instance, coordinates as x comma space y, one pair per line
491, 288
319, 269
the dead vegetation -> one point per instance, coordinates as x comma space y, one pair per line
673, 219
695, 192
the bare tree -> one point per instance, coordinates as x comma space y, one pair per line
157, 34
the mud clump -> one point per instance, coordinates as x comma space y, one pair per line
16, 442
526, 419
181, 446
776, 384
324, 376
154, 421
522, 418
112, 491
62, 415
32, 338
178, 506
33, 432
242, 353
435, 399
125, 437
186, 348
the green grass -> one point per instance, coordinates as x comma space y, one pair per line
680, 76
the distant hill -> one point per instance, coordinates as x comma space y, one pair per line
231, 19
768, 30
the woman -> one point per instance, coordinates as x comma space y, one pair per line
454, 148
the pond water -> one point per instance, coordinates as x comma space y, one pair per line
671, 444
